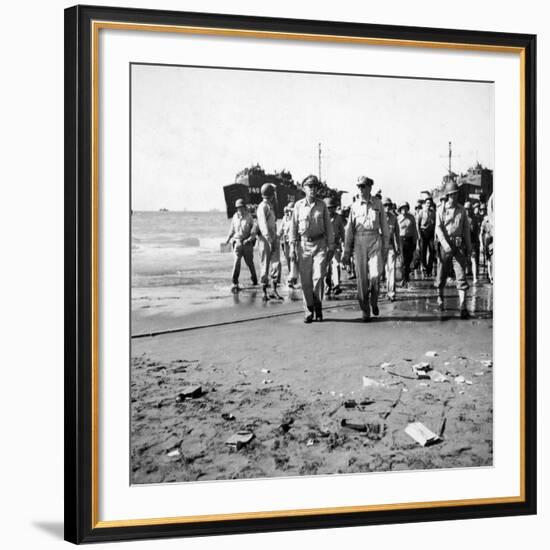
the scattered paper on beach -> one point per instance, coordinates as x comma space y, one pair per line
422, 435
431, 354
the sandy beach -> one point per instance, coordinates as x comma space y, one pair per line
291, 385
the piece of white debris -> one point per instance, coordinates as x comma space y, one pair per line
469, 382
385, 365
461, 392
480, 373
266, 371
267, 381
310, 442
460, 379
370, 383
487, 364
436, 376
173, 453
421, 434
431, 354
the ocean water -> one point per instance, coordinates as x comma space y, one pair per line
179, 248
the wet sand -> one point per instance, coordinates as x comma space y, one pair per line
287, 383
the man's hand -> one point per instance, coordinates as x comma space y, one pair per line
293, 255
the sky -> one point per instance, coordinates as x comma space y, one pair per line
193, 129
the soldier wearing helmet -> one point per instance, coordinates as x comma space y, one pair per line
285, 245
311, 237
242, 235
366, 238
268, 238
453, 234
394, 247
408, 238
333, 260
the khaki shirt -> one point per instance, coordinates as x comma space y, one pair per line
267, 221
366, 216
453, 228
242, 227
311, 221
426, 220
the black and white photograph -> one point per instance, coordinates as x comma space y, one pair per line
311, 273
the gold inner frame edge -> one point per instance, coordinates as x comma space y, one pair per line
113, 25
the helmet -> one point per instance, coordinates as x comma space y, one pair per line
239, 202
311, 180
387, 202
379, 194
330, 201
451, 188
404, 205
267, 190
364, 181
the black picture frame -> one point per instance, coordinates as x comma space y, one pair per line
80, 526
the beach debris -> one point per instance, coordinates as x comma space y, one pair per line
423, 384
487, 364
373, 430
265, 371
366, 401
436, 376
324, 431
310, 442
189, 392
239, 440
431, 354
422, 435
385, 365
267, 381
228, 416
469, 382
461, 392
480, 373
353, 426
371, 383
350, 404
421, 370
333, 393
174, 453
460, 379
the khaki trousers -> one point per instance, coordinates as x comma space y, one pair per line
270, 260
368, 267
390, 272
312, 265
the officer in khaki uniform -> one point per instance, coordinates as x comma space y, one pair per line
268, 238
453, 235
311, 237
367, 238
242, 235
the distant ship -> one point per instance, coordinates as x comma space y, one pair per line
474, 185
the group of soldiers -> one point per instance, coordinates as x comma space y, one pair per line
317, 241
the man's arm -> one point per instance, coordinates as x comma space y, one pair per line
349, 236
262, 221
440, 232
385, 229
467, 234
329, 230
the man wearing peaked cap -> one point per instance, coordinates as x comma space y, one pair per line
311, 236
366, 237
242, 234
